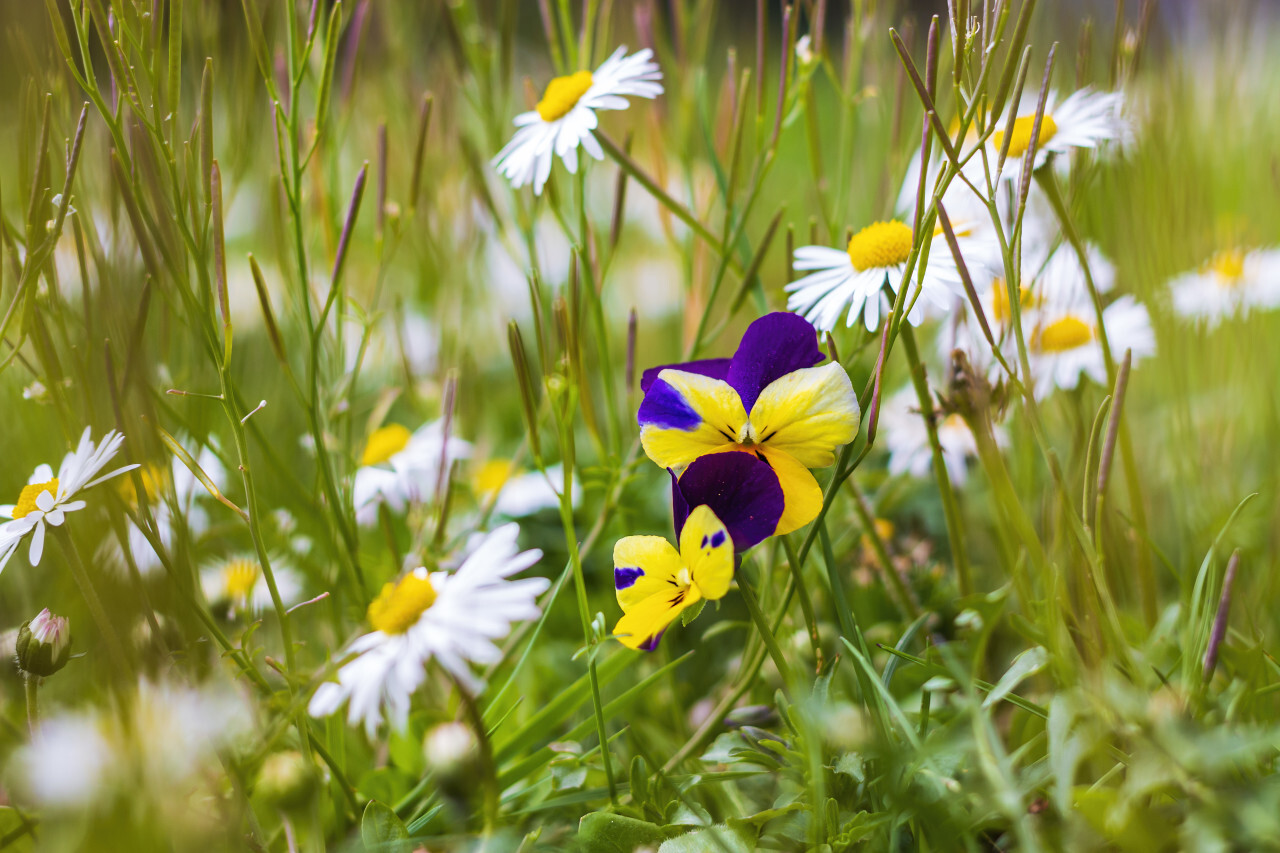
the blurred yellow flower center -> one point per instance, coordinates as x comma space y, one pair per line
385, 442
1229, 266
1021, 138
953, 421
154, 478
238, 578
399, 605
27, 500
1000, 300
562, 94
1065, 334
493, 475
880, 244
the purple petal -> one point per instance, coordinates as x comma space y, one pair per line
741, 490
652, 643
772, 346
716, 368
625, 577
665, 407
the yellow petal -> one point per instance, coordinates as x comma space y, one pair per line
686, 415
641, 625
807, 413
800, 490
707, 549
642, 567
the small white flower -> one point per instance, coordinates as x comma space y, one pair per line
47, 499
238, 584
398, 467
1064, 344
451, 617
1086, 119
566, 116
804, 50
907, 439
1230, 283
520, 495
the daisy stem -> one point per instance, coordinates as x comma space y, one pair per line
114, 648
489, 768
33, 710
950, 507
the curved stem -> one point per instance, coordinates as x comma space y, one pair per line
33, 709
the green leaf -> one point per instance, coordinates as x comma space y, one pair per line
692, 612
14, 830
380, 829
602, 832
736, 837
1024, 666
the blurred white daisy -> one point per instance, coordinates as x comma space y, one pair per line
236, 585
159, 745
907, 439
1064, 344
566, 115
46, 499
1086, 119
520, 494
453, 617
399, 467
1230, 283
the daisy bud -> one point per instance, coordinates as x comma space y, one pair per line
287, 780
44, 644
451, 751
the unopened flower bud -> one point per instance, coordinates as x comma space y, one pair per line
450, 750
44, 644
287, 780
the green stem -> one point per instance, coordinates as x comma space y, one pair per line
806, 603
114, 647
33, 708
766, 634
488, 767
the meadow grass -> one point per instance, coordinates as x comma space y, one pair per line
1064, 643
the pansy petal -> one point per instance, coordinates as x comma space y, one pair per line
686, 415
807, 413
773, 346
642, 567
641, 626
802, 492
716, 368
707, 549
741, 489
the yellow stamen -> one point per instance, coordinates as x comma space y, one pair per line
881, 244
1000, 300
27, 500
154, 480
385, 442
563, 94
238, 578
1229, 265
1022, 134
493, 475
399, 605
1065, 334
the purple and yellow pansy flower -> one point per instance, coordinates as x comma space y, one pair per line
737, 502
769, 400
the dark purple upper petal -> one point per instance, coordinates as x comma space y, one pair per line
716, 368
740, 489
772, 346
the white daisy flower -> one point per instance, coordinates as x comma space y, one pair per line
854, 279
398, 467
1230, 283
47, 499
1064, 344
453, 617
566, 115
1086, 119
238, 584
520, 494
907, 439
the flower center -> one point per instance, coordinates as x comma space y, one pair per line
562, 95
153, 481
1021, 138
238, 578
880, 244
399, 606
1229, 265
385, 442
493, 475
27, 500
1000, 300
1065, 334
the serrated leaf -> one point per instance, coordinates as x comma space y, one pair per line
1024, 666
692, 612
732, 838
381, 829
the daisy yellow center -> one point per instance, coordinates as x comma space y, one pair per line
953, 422
400, 604
880, 244
1000, 300
153, 479
493, 475
27, 500
1065, 334
238, 578
1021, 139
1229, 266
563, 94
385, 442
